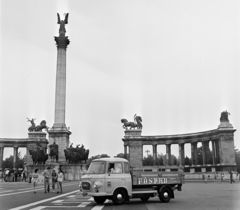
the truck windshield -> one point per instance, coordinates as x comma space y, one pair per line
97, 168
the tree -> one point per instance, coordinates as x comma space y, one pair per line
148, 161
121, 155
8, 162
96, 157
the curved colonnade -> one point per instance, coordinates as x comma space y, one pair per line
221, 139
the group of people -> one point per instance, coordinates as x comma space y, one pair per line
54, 178
13, 175
221, 176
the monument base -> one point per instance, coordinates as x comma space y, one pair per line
61, 138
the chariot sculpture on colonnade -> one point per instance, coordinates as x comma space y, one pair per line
136, 124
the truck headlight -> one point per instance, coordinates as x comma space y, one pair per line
97, 185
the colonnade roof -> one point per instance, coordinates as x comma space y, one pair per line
20, 142
179, 138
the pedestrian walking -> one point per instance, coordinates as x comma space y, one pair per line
54, 179
15, 175
59, 180
205, 178
46, 175
30, 177
24, 176
215, 177
237, 177
35, 179
231, 177
222, 177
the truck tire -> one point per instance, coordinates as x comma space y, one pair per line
145, 199
119, 196
165, 194
99, 200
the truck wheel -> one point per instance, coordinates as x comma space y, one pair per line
99, 200
165, 194
119, 197
145, 199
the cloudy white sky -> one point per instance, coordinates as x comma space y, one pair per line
174, 63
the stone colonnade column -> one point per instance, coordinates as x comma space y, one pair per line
181, 154
204, 152
154, 154
15, 152
192, 153
195, 153
213, 153
168, 153
1, 157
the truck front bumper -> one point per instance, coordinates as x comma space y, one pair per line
94, 194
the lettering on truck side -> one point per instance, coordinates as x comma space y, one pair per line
151, 180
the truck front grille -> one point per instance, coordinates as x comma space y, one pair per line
86, 185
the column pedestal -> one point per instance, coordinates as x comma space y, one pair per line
61, 138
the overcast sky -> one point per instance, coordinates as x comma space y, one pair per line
174, 63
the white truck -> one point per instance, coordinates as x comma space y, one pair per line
114, 179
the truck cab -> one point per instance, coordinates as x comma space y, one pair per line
114, 179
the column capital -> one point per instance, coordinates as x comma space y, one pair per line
62, 42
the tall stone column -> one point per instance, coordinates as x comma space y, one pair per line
1, 157
168, 152
15, 152
59, 132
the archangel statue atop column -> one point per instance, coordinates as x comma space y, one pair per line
62, 23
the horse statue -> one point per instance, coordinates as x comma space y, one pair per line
33, 126
76, 155
54, 152
224, 116
42, 126
39, 155
136, 124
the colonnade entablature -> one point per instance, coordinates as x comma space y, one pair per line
222, 156
34, 140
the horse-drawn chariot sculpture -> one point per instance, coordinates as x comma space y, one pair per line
38, 128
136, 124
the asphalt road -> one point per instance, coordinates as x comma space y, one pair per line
17, 196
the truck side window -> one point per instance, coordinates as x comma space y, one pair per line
111, 168
126, 168
118, 168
